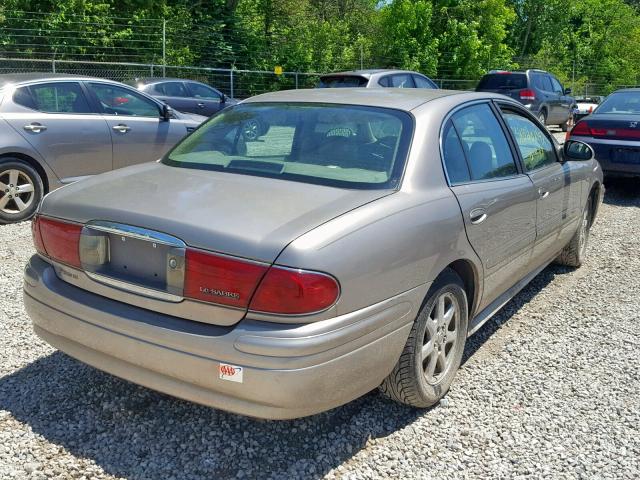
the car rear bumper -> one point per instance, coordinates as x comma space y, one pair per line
288, 370
606, 156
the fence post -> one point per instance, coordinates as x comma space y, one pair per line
296, 80
231, 83
164, 47
151, 70
53, 65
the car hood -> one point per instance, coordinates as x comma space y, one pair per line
242, 215
198, 119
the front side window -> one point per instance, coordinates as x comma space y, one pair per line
535, 147
557, 88
116, 100
338, 145
488, 152
401, 80
422, 82
204, 92
65, 97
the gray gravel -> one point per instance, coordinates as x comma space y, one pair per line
549, 388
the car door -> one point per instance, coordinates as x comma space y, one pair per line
57, 120
564, 101
138, 132
556, 183
498, 202
208, 100
175, 95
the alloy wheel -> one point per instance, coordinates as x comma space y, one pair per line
440, 338
251, 130
17, 191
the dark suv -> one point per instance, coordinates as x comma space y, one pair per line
539, 91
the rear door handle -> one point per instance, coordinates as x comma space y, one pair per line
200, 105
35, 127
122, 128
477, 216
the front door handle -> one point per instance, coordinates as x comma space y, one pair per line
477, 216
35, 127
543, 193
200, 105
122, 128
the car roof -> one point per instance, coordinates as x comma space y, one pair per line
399, 98
148, 80
20, 78
367, 72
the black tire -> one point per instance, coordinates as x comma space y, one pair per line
10, 211
542, 117
575, 252
409, 383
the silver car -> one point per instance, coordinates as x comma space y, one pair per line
356, 244
55, 129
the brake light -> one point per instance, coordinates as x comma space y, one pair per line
527, 94
295, 292
581, 128
219, 279
57, 240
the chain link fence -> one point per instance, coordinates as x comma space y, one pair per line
233, 82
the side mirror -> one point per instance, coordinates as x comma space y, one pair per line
167, 112
567, 91
223, 98
576, 150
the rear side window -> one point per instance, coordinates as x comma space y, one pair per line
488, 152
53, 98
503, 81
535, 147
545, 83
454, 156
342, 81
171, 89
337, 145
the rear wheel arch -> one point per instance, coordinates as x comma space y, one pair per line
31, 162
470, 277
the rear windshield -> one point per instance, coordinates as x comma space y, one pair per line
339, 145
621, 102
342, 81
503, 81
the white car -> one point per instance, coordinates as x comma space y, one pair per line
586, 106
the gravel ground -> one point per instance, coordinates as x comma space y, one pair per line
549, 388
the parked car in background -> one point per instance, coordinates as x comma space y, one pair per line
376, 78
185, 95
356, 244
57, 129
539, 91
613, 131
586, 105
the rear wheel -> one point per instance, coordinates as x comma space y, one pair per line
20, 190
542, 117
575, 252
434, 349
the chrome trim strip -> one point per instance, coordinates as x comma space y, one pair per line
136, 232
133, 288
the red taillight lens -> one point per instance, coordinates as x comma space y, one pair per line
527, 94
218, 279
58, 240
294, 292
581, 128
37, 236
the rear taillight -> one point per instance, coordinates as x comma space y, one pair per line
582, 129
219, 279
585, 130
527, 94
295, 292
57, 240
